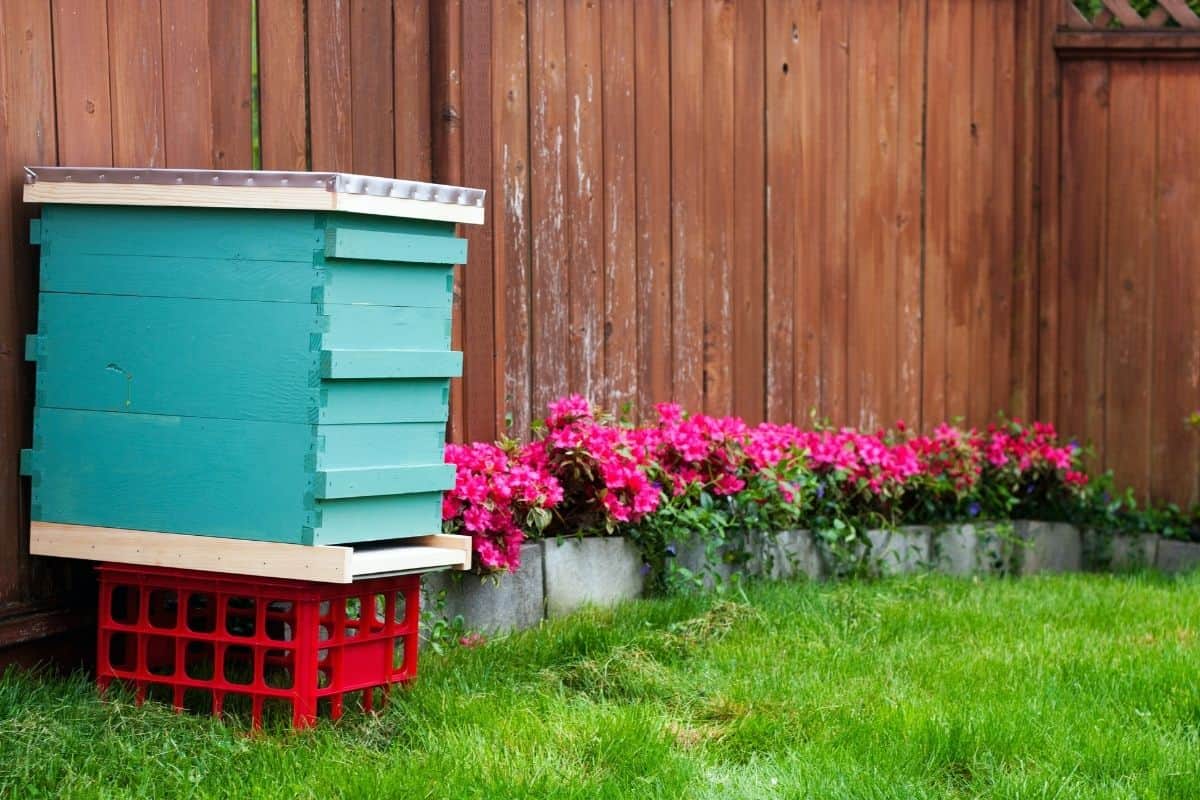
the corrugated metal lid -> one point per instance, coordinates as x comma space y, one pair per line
325, 191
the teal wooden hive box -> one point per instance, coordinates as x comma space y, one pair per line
250, 356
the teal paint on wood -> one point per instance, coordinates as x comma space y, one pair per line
387, 443
370, 519
211, 371
205, 233
35, 231
385, 327
353, 282
408, 400
389, 364
364, 481
175, 276
196, 358
228, 478
221, 358
341, 242
370, 282
231, 478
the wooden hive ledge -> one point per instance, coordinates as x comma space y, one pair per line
324, 563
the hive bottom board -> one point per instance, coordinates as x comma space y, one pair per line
323, 563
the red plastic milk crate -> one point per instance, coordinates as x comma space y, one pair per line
218, 637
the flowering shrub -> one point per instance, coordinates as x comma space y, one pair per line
603, 466
500, 495
586, 472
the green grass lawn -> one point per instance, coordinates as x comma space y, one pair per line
1082, 686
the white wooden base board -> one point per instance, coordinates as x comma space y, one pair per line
324, 563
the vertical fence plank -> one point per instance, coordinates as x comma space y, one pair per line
959, 199
1002, 175
283, 120
1006, 85
909, 149
834, 253
480, 355
187, 84
620, 207
872, 285
937, 179
1175, 389
1003, 241
135, 77
749, 210
1130, 245
229, 56
1052, 13
1082, 281
371, 90
687, 203
27, 136
548, 165
981, 217
717, 153
329, 92
1022, 390
807, 198
510, 206
411, 66
782, 47
81, 83
652, 99
584, 198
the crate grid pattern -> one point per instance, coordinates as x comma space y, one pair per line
297, 642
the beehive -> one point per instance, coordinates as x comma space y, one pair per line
235, 355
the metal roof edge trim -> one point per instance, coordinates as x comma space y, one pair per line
336, 182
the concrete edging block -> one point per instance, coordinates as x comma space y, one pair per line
691, 554
902, 551
510, 601
1047, 547
971, 549
599, 571
1119, 552
1175, 556
790, 554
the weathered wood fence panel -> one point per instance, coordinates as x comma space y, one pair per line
861, 211
1129, 287
1122, 347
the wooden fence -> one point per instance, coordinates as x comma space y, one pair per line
860, 209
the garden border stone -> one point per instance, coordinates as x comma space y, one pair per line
1047, 547
789, 554
1119, 552
971, 549
690, 554
1175, 556
902, 551
510, 601
600, 571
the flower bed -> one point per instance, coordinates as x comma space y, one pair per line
711, 480
705, 498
